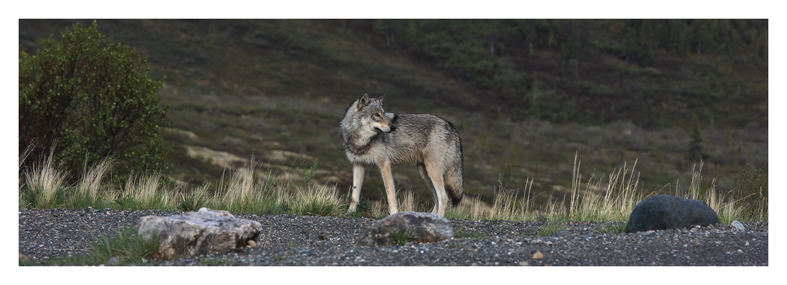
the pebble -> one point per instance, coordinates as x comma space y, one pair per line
738, 225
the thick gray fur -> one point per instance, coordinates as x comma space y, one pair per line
375, 138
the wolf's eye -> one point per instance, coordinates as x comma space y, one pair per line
376, 117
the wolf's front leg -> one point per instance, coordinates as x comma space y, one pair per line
358, 173
390, 190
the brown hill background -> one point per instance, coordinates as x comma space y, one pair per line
525, 95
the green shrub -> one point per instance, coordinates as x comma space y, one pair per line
90, 97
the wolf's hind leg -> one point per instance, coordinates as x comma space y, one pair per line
425, 176
436, 175
358, 173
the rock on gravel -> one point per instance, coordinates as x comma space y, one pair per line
408, 226
738, 225
200, 232
661, 212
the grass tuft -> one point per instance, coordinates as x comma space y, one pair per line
318, 200
727, 208
194, 200
550, 229
122, 248
43, 183
144, 192
87, 191
399, 238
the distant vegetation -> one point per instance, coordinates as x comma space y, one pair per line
501, 57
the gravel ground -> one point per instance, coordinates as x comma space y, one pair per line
303, 240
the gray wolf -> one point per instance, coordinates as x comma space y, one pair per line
373, 137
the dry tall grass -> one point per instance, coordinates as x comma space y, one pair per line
507, 205
605, 199
405, 202
593, 199
727, 208
249, 190
144, 192
43, 182
89, 185
245, 191
239, 190
597, 199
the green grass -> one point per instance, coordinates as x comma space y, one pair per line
125, 246
550, 229
399, 238
361, 211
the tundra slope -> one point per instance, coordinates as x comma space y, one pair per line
306, 240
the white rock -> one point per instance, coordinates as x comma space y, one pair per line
738, 225
193, 233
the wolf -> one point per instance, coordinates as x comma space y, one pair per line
373, 137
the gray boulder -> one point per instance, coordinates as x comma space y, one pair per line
201, 232
660, 212
408, 226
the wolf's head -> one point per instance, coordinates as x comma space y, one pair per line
369, 113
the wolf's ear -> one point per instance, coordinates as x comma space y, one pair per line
363, 101
380, 99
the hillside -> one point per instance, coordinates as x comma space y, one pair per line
276, 91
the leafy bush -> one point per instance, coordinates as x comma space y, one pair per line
90, 97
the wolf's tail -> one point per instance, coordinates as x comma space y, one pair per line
453, 184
